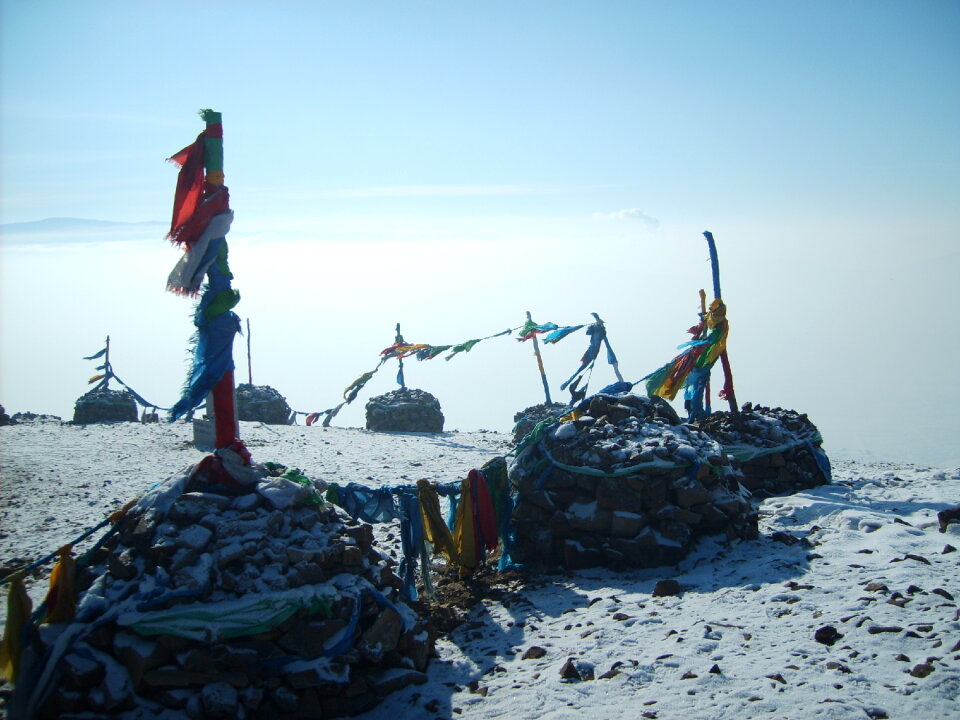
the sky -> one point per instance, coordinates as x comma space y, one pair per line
451, 166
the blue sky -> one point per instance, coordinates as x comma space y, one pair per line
451, 165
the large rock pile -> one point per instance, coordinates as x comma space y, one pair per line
623, 486
261, 403
266, 604
405, 410
4, 418
779, 451
526, 420
102, 405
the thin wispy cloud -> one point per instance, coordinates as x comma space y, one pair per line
630, 214
428, 191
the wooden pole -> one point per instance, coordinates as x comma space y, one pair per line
543, 374
400, 379
703, 318
249, 361
106, 366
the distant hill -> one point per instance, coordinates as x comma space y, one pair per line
66, 224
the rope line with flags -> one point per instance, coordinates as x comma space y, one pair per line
401, 349
107, 374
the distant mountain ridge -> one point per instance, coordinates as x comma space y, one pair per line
69, 224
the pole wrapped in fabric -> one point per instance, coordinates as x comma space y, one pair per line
201, 220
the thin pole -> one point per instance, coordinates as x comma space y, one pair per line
400, 380
543, 374
106, 366
703, 318
249, 361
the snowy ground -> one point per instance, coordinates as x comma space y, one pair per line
862, 555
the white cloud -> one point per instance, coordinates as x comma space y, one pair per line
630, 214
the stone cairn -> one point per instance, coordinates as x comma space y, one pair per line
624, 485
266, 604
405, 410
102, 405
779, 451
525, 420
261, 403
4, 418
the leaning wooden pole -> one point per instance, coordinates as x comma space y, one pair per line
249, 356
201, 221
728, 391
543, 373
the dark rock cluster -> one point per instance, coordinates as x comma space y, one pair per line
405, 410
623, 485
525, 420
261, 403
779, 451
265, 604
4, 418
102, 405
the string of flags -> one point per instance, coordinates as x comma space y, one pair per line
106, 374
401, 350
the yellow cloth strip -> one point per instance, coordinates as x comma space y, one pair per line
19, 608
435, 530
61, 599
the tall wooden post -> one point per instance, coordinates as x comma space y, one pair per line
400, 379
543, 374
249, 360
201, 220
107, 370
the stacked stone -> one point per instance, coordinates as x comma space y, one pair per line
102, 405
623, 486
262, 403
526, 420
346, 646
779, 451
4, 418
405, 410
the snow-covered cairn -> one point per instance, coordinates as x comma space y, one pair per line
526, 420
267, 603
779, 451
405, 410
261, 403
102, 405
623, 486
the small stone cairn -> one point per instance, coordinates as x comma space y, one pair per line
102, 405
405, 410
265, 604
526, 420
261, 403
779, 451
624, 485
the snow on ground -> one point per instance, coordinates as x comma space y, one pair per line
863, 556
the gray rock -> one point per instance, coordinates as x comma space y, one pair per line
220, 700
261, 403
405, 410
102, 405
